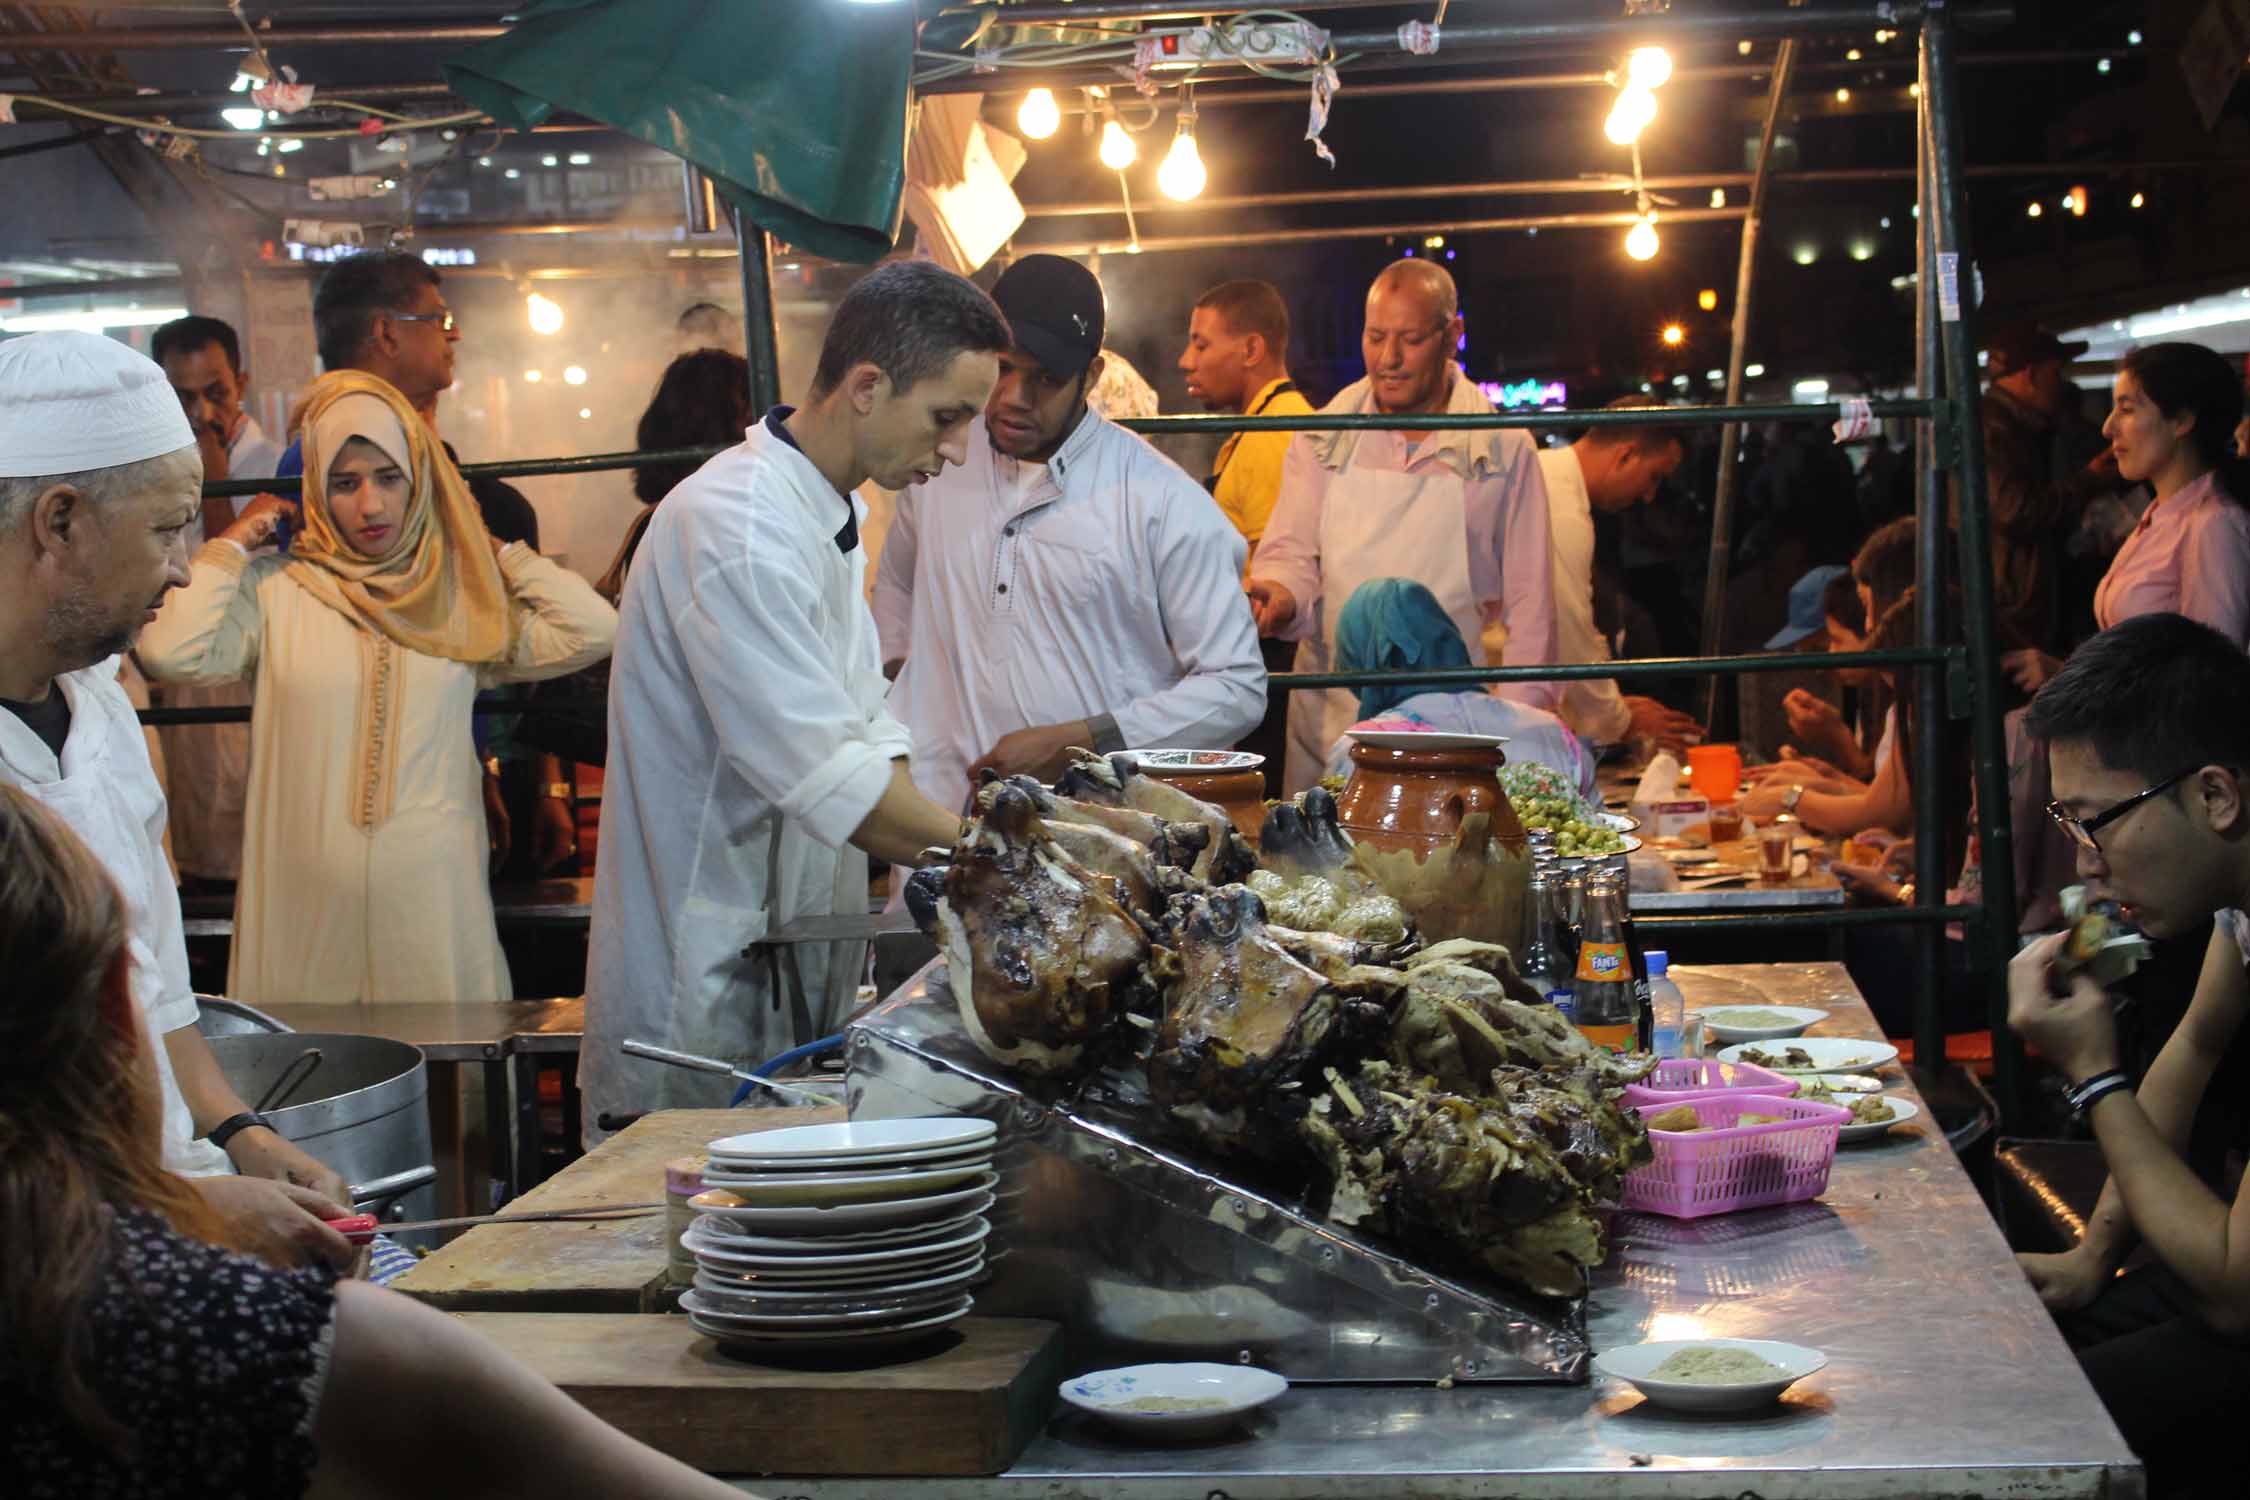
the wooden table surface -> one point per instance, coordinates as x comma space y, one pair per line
613, 1266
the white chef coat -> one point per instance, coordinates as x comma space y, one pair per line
1594, 709
105, 790
1103, 582
1464, 513
208, 765
747, 742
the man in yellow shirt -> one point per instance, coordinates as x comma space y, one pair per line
1237, 360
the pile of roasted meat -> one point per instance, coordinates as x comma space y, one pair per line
1284, 1012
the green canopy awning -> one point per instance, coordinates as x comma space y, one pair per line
796, 111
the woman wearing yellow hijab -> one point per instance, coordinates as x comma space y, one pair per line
363, 866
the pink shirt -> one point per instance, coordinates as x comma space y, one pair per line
1508, 541
2190, 555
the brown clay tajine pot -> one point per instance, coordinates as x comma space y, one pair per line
1230, 780
1437, 833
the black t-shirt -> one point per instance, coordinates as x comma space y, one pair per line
507, 514
49, 718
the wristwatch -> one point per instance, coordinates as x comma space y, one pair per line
1789, 798
233, 1125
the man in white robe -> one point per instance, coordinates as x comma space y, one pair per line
99, 484
751, 759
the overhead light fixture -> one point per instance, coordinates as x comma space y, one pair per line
2075, 201
2138, 200
1752, 372
2102, 66
1629, 116
1180, 176
243, 84
584, 412
2034, 209
1809, 390
1708, 299
1843, 96
1673, 335
512, 174
1714, 375
1640, 241
1852, 56
243, 118
289, 143
547, 161
1862, 250
484, 161
574, 375
1882, 37
1117, 148
1742, 47
1718, 197
1038, 116
93, 321
581, 158
534, 376
2132, 39
546, 316
1884, 221
1805, 255
1914, 91
1648, 67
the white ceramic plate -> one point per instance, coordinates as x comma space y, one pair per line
1902, 1111
727, 1295
1230, 1391
1852, 1083
848, 1218
749, 1281
1633, 1362
1830, 1054
890, 1161
849, 1187
853, 1138
1209, 762
874, 1315
1408, 739
854, 1339
733, 1253
1798, 1017
915, 1238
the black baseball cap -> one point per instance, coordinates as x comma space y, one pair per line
1054, 306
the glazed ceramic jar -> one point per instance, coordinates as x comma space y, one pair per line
1231, 780
1436, 831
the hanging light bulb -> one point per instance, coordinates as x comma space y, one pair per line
1181, 176
1634, 109
1038, 115
1648, 67
1640, 240
545, 315
1117, 149
243, 118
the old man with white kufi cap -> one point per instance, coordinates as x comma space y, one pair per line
99, 486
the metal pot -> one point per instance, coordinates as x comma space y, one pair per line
364, 1110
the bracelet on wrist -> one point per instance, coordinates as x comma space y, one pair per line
2083, 1095
233, 1125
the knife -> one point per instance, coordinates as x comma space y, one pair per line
360, 1228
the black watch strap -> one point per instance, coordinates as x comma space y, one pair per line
233, 1125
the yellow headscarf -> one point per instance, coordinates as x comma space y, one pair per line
438, 590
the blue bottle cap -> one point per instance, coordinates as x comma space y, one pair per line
1658, 961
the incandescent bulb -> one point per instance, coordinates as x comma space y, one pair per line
1117, 148
1640, 240
243, 119
1181, 176
545, 316
1648, 67
1037, 116
1631, 114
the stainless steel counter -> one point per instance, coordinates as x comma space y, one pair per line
1945, 1378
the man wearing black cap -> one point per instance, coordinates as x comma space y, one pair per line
2038, 477
1068, 585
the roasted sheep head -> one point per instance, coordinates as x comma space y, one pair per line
1043, 958
1245, 1023
1172, 845
1419, 1163
1458, 1023
1113, 781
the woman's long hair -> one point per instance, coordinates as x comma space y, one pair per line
2184, 379
704, 398
80, 1117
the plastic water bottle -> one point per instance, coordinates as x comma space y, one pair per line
1667, 1006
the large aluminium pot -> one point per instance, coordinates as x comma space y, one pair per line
364, 1110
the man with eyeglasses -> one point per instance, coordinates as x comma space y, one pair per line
1463, 513
2149, 748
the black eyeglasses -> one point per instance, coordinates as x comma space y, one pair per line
2081, 830
444, 320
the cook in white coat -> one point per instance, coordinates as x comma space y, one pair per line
1610, 469
1068, 584
1463, 513
751, 759
99, 480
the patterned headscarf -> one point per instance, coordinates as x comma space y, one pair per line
438, 590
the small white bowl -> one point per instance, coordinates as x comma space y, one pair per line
1194, 762
1830, 1054
1633, 1362
1109, 1394
1799, 1017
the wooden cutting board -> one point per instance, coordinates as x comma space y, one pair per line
964, 1409
617, 1266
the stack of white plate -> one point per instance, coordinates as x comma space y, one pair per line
840, 1238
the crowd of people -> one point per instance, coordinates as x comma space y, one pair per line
777, 707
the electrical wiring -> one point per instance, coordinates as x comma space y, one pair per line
427, 122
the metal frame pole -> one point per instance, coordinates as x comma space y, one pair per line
1956, 288
1929, 682
1730, 435
760, 345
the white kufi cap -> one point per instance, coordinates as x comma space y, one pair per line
70, 402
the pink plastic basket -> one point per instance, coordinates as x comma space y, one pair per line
1728, 1166
1678, 1078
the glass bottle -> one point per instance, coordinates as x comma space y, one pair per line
1603, 981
